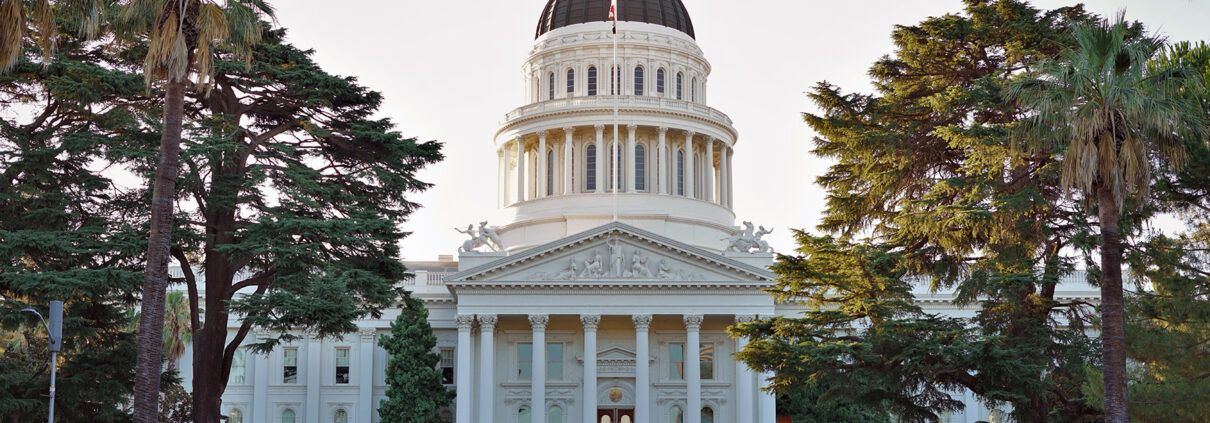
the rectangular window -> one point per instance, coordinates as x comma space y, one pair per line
554, 361
707, 359
525, 361
342, 365
676, 361
447, 366
592, 81
590, 179
238, 368
289, 362
640, 167
659, 81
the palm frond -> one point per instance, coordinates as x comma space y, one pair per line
12, 32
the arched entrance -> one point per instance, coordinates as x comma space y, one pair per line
616, 401
615, 415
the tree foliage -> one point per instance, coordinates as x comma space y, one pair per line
414, 390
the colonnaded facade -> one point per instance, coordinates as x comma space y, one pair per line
605, 292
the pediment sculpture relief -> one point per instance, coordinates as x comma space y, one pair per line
622, 264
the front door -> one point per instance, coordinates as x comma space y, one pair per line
615, 415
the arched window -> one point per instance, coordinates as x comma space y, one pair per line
235, 416
555, 415
638, 80
590, 157
550, 172
571, 82
693, 90
287, 416
615, 80
238, 368
640, 167
592, 80
659, 81
676, 416
680, 172
340, 417
680, 86
524, 416
551, 85
707, 415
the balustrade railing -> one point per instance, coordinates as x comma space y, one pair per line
426, 278
625, 102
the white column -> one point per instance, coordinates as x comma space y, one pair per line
724, 178
600, 173
568, 159
313, 372
693, 368
768, 404
590, 322
709, 176
663, 159
745, 392
520, 170
502, 174
730, 180
463, 369
642, 373
537, 384
689, 164
365, 385
260, 382
487, 367
541, 175
630, 161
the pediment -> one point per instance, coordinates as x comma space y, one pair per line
614, 252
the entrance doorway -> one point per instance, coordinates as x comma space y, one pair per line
615, 415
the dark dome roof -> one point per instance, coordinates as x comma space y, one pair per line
561, 13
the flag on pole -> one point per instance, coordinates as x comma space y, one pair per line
613, 15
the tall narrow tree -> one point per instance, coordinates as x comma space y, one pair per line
414, 390
1113, 117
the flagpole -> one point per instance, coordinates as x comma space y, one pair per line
616, 80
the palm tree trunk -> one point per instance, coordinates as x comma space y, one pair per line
1113, 316
155, 281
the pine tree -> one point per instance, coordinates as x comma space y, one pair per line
414, 390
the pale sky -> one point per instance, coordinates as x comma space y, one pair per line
450, 70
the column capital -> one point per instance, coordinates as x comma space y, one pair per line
590, 321
568, 130
641, 321
689, 134
464, 321
538, 321
632, 127
693, 321
367, 334
542, 135
663, 130
745, 318
487, 321
599, 127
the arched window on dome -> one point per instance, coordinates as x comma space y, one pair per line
571, 82
680, 86
550, 172
640, 167
592, 80
287, 416
680, 172
524, 415
693, 90
659, 82
707, 415
676, 416
555, 415
341, 416
590, 168
638, 80
551, 85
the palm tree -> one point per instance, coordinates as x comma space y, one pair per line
177, 333
1111, 116
181, 34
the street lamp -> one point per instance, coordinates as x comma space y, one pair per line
54, 331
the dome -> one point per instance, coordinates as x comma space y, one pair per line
561, 13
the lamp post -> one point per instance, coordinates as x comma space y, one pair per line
54, 331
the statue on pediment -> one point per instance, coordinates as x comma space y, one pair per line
491, 236
617, 258
638, 266
593, 268
749, 241
568, 274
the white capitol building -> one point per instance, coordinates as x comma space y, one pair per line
618, 285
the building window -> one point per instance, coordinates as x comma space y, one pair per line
342, 365
676, 361
525, 361
235, 416
677, 416
707, 415
680, 85
621, 159
238, 367
640, 167
523, 415
693, 90
550, 172
592, 80
554, 362
447, 366
680, 172
638, 80
555, 415
287, 416
659, 81
342, 417
571, 82
551, 85
289, 369
615, 80
590, 167
707, 360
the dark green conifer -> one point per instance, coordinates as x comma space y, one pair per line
414, 390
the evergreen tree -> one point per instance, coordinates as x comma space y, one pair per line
929, 190
414, 390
